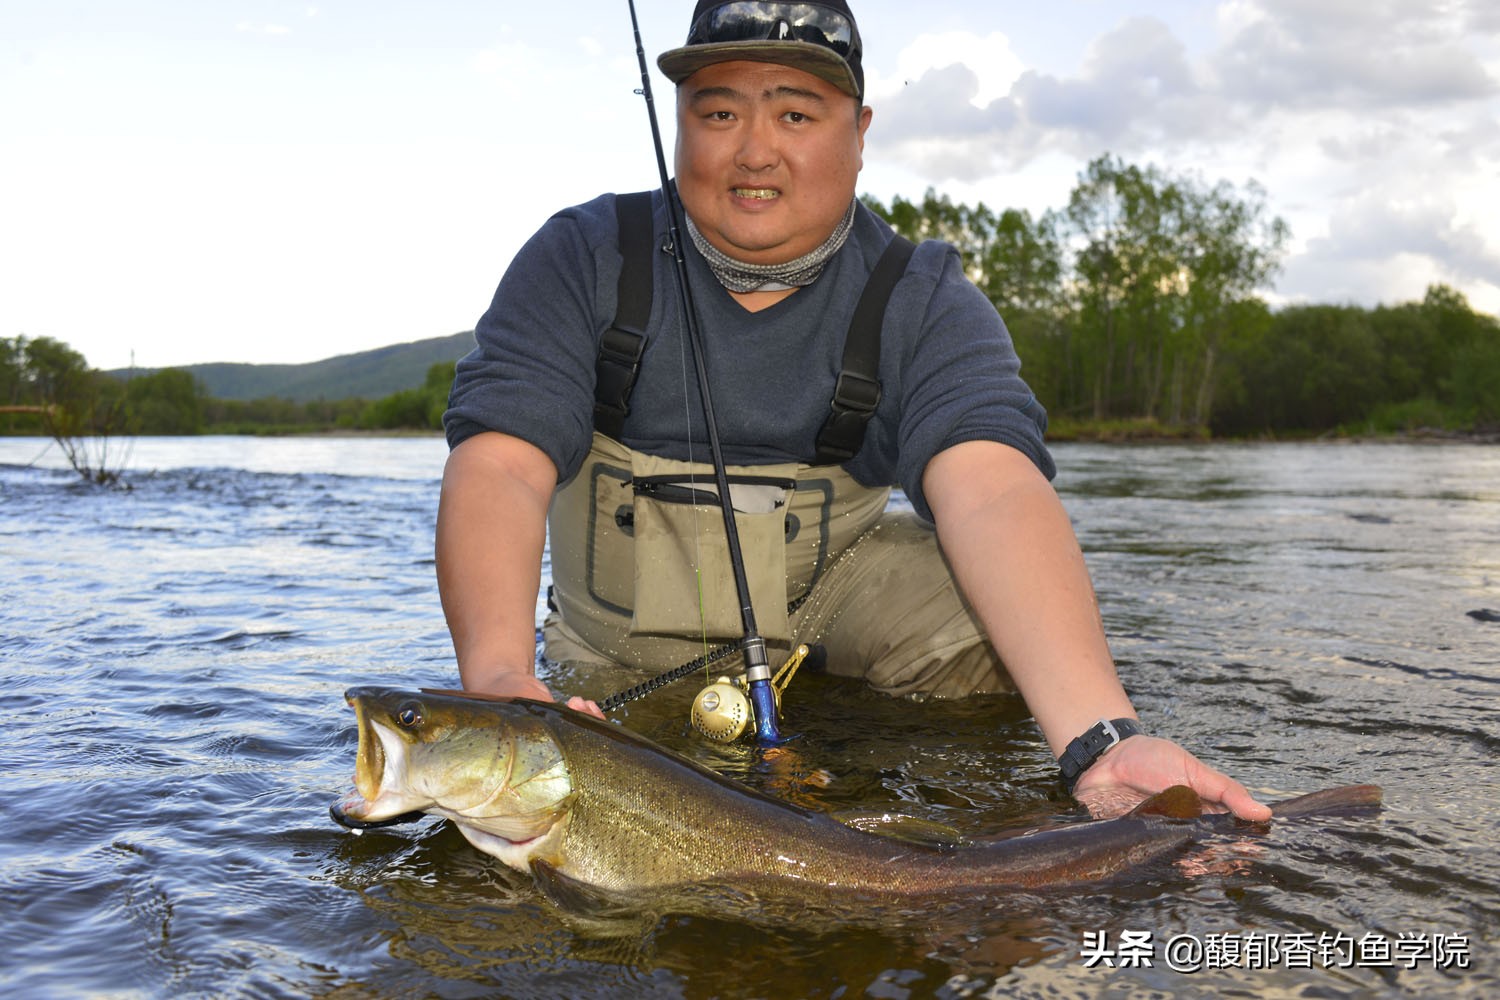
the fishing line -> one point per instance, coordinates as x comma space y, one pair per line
757, 668
712, 656
692, 476
687, 423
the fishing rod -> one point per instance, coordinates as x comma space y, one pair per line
757, 667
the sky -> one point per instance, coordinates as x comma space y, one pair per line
189, 181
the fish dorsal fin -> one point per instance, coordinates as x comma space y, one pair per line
899, 826
1177, 802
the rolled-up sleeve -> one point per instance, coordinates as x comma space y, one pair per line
531, 374
961, 379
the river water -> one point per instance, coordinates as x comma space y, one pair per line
174, 657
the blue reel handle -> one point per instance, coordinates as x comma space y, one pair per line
763, 700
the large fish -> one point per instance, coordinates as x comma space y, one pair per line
606, 820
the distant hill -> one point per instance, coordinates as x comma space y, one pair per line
366, 375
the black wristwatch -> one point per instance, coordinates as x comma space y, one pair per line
1089, 747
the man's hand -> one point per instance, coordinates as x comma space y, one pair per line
1141, 766
519, 684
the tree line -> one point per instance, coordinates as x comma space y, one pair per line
1136, 309
47, 387
1137, 305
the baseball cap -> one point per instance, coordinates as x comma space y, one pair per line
818, 38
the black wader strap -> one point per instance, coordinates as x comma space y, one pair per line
622, 345
858, 390
855, 396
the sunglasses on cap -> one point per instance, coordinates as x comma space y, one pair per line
755, 22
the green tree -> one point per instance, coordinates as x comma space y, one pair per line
1161, 265
15, 392
1231, 249
169, 401
1139, 299
1476, 381
1122, 222
1469, 348
1315, 367
55, 372
12, 360
80, 408
417, 409
1017, 261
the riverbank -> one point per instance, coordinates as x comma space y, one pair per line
1060, 431
1132, 430
1147, 430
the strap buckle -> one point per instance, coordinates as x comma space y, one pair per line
1088, 748
857, 393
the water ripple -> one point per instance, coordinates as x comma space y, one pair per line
175, 658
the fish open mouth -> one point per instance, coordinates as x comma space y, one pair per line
371, 774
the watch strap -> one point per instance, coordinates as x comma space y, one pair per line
1088, 748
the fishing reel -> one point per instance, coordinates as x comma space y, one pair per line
723, 712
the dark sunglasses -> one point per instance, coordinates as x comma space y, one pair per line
754, 22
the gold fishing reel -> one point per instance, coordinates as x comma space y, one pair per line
722, 710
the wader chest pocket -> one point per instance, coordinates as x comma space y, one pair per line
684, 581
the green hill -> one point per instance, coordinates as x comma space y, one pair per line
366, 375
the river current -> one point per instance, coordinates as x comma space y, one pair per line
174, 656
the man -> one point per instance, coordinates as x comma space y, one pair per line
771, 127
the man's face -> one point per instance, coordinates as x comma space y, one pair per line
767, 158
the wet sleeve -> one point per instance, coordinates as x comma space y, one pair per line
961, 378
531, 374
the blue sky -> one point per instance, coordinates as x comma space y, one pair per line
268, 181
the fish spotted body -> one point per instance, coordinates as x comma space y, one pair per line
604, 818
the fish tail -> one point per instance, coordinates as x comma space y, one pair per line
1329, 800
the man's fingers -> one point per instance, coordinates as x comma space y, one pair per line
578, 704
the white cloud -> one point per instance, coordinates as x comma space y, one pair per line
1352, 55
1381, 246
1378, 224
250, 28
988, 58
1374, 127
1137, 87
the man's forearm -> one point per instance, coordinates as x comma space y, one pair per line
491, 529
1012, 548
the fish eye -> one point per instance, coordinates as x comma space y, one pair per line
409, 715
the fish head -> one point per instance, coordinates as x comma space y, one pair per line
492, 766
